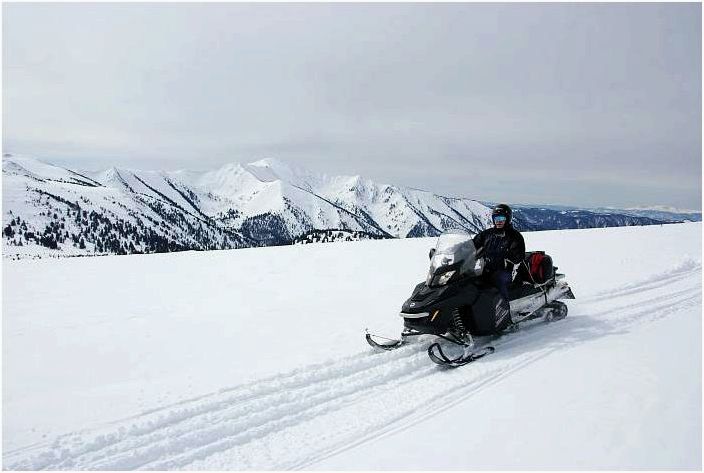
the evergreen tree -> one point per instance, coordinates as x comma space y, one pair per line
48, 241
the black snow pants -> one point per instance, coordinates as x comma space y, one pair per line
501, 280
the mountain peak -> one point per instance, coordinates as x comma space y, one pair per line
272, 169
268, 169
278, 167
273, 163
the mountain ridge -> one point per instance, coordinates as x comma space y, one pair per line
262, 203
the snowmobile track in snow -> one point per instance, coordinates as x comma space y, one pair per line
283, 422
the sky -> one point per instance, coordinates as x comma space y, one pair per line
573, 104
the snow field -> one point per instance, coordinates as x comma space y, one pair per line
255, 359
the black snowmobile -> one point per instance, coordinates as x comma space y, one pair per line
456, 304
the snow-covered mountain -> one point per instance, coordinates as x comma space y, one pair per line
667, 214
52, 210
660, 213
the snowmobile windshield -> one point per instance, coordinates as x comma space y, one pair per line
454, 255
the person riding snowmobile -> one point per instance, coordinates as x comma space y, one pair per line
502, 248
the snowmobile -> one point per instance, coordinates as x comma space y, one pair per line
456, 304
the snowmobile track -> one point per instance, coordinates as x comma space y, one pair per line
282, 422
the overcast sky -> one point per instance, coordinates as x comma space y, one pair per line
577, 104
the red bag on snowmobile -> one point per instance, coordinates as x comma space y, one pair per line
539, 266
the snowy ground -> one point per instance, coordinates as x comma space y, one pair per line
255, 359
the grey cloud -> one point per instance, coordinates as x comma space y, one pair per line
470, 99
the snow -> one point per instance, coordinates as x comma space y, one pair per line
38, 169
255, 359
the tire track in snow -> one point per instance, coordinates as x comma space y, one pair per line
683, 271
246, 422
284, 421
162, 423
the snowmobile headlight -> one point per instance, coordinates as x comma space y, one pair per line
442, 280
442, 260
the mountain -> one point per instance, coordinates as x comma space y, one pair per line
659, 213
531, 218
50, 210
667, 214
117, 211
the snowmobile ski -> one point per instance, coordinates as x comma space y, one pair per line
438, 356
385, 343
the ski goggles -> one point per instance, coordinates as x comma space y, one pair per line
499, 218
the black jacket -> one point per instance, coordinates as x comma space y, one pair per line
500, 245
